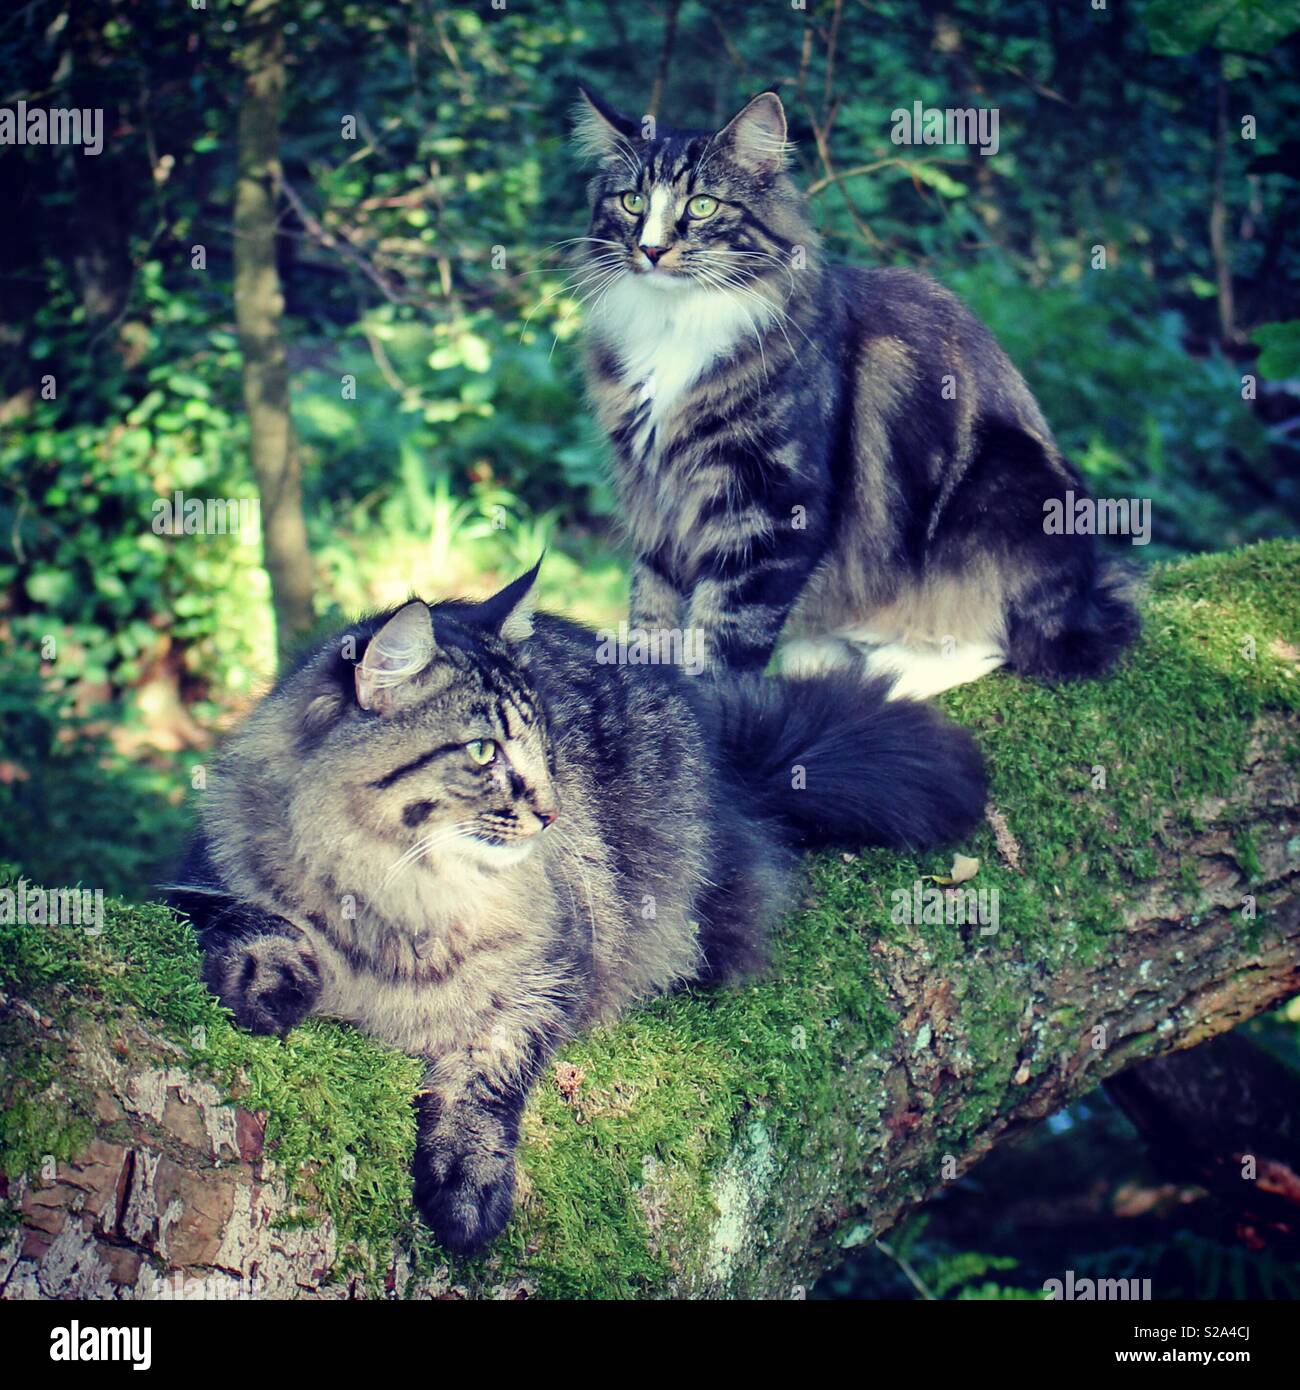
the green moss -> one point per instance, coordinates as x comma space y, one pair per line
337, 1104
40, 1115
1247, 848
617, 1188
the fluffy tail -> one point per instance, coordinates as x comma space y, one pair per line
840, 764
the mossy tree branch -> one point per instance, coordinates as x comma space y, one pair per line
1144, 843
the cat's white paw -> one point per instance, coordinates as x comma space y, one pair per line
917, 675
811, 656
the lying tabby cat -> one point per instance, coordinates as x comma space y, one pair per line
846, 455
477, 839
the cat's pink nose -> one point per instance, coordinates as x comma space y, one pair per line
548, 818
653, 253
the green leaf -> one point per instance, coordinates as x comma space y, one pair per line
934, 177
1176, 27
1179, 27
1280, 357
49, 587
1255, 26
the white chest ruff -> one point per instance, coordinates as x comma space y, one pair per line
667, 335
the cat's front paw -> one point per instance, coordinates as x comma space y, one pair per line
466, 1199
270, 983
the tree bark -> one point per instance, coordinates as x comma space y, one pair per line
665, 58
1225, 1116
100, 251
259, 313
1220, 247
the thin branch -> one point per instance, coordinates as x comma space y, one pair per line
390, 291
820, 184
913, 1277
824, 154
383, 361
831, 42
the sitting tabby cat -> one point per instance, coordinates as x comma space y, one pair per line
476, 839
844, 455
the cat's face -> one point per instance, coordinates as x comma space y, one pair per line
682, 210
437, 737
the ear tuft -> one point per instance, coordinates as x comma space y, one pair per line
398, 652
599, 131
510, 612
757, 135
518, 627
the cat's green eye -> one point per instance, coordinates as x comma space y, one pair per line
633, 203
482, 751
702, 206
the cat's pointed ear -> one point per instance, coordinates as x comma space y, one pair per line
510, 612
598, 129
756, 137
397, 653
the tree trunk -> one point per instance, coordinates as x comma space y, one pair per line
259, 312
1220, 246
100, 250
1225, 1116
732, 1144
665, 58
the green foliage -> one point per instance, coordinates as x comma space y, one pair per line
1281, 343
1063, 1198
1139, 416
1249, 26
74, 810
957, 1275
1193, 1266
433, 327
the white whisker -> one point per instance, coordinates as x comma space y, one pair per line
424, 846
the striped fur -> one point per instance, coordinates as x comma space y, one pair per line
634, 829
844, 456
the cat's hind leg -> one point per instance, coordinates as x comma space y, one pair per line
1075, 622
749, 886
1066, 611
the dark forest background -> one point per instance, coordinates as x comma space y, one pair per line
392, 354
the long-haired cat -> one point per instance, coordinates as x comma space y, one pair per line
454, 827
843, 455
